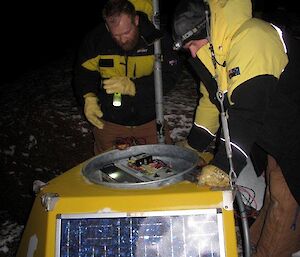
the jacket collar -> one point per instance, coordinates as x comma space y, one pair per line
147, 30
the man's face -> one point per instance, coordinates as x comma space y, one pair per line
194, 45
124, 31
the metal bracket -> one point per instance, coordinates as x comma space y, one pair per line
38, 185
49, 200
228, 200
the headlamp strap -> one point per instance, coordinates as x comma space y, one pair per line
193, 31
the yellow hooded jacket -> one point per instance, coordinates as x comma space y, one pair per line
248, 46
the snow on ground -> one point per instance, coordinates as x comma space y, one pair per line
10, 233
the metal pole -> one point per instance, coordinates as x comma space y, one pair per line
158, 78
245, 226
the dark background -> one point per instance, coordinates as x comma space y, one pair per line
36, 32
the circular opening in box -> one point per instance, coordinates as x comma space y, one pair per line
141, 166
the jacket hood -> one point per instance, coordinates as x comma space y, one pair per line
226, 16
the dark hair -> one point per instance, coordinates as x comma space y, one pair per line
118, 7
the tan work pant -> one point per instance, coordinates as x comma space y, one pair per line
276, 231
105, 139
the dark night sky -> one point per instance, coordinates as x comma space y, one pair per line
36, 32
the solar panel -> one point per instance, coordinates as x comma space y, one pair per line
183, 233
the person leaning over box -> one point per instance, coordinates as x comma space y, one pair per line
243, 59
114, 76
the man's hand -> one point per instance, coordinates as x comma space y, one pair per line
204, 157
120, 84
92, 110
213, 176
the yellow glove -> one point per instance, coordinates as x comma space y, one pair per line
212, 176
92, 110
120, 84
205, 157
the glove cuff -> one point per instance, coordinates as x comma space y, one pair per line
91, 98
89, 95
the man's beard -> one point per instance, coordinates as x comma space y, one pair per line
130, 44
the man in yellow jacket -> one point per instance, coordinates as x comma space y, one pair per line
114, 75
246, 82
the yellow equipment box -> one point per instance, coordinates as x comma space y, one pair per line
74, 216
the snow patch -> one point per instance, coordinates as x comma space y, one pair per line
8, 234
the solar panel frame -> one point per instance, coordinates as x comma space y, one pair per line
153, 233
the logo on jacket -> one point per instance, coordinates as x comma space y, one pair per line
142, 50
234, 72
